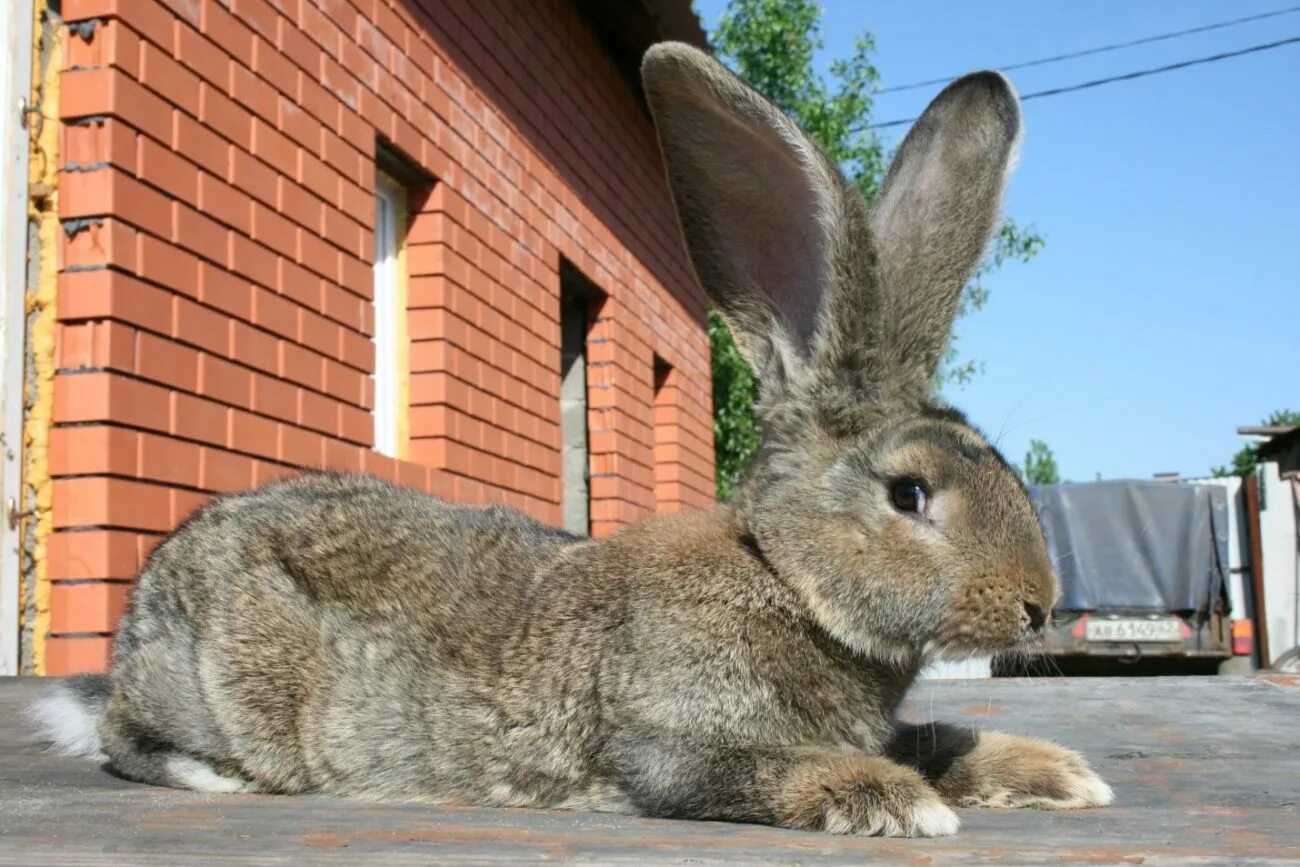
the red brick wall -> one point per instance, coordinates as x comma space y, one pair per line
215, 293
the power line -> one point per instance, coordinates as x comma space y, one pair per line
1087, 52
1128, 76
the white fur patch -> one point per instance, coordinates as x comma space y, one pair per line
69, 726
927, 818
1091, 790
187, 772
934, 819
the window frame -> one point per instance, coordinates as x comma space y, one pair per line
391, 377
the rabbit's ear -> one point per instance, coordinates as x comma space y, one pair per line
934, 215
759, 204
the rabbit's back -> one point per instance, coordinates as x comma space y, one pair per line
295, 633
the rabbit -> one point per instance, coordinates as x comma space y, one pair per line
339, 634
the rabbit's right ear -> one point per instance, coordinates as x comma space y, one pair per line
760, 206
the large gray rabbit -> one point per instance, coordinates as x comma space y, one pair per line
339, 634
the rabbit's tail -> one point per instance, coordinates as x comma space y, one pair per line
67, 716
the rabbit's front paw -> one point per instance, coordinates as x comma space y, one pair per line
867, 796
1011, 771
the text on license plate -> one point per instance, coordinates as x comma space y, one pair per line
1166, 629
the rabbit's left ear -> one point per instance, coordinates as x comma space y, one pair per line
934, 214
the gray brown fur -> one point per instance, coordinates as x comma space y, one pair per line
338, 634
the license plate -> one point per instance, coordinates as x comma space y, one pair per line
1166, 629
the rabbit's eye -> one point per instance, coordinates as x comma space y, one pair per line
908, 495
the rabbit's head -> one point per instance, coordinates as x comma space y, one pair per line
903, 529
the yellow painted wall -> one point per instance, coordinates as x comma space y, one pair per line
43, 211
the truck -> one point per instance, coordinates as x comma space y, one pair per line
1144, 572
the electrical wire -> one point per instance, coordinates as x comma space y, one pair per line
1128, 76
1102, 49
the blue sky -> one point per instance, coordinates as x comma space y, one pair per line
1165, 309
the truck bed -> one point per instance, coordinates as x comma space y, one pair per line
1204, 770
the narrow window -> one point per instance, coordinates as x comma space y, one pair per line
575, 457
390, 315
580, 301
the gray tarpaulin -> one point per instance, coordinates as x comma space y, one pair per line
1136, 545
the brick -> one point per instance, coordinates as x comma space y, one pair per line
272, 66
168, 460
108, 91
107, 554
343, 306
253, 178
253, 261
252, 434
92, 450
344, 383
65, 657
95, 345
299, 205
272, 230
320, 179
91, 144
204, 236
274, 398
254, 94
273, 313
223, 471
198, 419
224, 203
225, 382
106, 502
169, 79
342, 231
111, 44
342, 457
272, 148
302, 366
317, 256
320, 104
319, 413
162, 360
202, 57
297, 124
357, 425
299, 284
224, 117
90, 397
152, 21
199, 144
299, 447
160, 167
297, 46
255, 348
228, 31
82, 608
202, 326
320, 28
111, 191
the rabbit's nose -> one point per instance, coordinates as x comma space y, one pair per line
1036, 616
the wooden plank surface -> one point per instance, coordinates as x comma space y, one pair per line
1205, 770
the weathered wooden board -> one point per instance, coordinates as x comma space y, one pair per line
1205, 770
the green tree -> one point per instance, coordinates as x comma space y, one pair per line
1039, 467
1246, 459
772, 45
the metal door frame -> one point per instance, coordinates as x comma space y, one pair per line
16, 23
